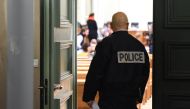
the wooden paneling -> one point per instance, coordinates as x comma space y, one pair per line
177, 14
176, 100
175, 54
171, 26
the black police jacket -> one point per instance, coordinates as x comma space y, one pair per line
119, 69
92, 26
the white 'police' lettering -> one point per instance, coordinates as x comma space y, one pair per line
130, 57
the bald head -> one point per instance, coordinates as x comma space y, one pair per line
119, 21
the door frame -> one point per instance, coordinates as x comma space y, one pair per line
45, 47
3, 53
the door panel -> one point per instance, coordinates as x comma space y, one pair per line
171, 71
63, 77
58, 47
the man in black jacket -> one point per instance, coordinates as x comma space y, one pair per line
119, 70
92, 27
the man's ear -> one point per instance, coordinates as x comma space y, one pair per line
127, 25
112, 26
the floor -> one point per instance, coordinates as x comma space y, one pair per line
147, 105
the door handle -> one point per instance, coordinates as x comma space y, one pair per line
58, 87
44, 89
40, 87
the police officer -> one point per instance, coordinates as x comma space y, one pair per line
119, 70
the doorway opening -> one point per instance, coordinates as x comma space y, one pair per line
140, 15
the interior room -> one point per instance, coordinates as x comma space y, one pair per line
140, 15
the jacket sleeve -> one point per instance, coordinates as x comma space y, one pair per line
96, 71
144, 78
95, 26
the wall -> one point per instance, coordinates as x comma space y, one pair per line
20, 54
137, 10
84, 8
3, 54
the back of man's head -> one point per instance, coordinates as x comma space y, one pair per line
119, 21
91, 15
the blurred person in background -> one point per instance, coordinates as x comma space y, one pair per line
92, 47
92, 27
106, 30
79, 36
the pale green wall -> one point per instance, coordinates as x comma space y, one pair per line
20, 71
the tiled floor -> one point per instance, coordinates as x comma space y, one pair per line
147, 105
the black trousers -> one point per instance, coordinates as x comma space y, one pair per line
92, 37
117, 103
